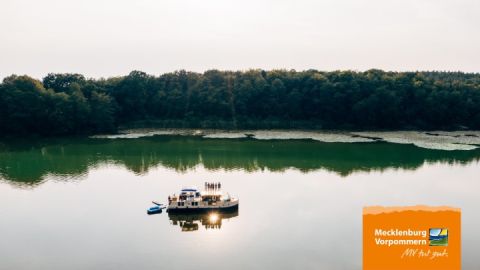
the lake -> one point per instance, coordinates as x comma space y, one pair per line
80, 203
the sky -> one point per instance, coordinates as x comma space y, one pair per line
104, 38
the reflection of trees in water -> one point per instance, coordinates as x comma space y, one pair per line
27, 163
191, 222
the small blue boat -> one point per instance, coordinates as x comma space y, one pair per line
155, 210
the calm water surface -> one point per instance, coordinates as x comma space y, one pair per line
81, 203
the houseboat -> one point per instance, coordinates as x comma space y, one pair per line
193, 200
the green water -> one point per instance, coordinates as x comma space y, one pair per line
81, 203
28, 163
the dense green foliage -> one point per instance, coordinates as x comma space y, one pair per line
71, 104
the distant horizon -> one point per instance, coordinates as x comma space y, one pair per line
105, 38
241, 70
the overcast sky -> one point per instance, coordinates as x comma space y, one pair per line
102, 38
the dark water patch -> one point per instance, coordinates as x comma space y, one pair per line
27, 163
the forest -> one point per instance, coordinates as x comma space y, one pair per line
71, 104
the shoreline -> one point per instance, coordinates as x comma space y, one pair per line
438, 140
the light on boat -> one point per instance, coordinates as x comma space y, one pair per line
213, 218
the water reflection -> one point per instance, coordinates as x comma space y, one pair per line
26, 163
192, 222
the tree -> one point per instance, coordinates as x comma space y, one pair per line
64, 104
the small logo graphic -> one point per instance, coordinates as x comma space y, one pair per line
438, 237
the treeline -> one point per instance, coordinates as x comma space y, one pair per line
63, 104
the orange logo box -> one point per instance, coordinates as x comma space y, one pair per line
411, 238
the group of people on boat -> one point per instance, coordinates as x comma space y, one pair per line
213, 186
